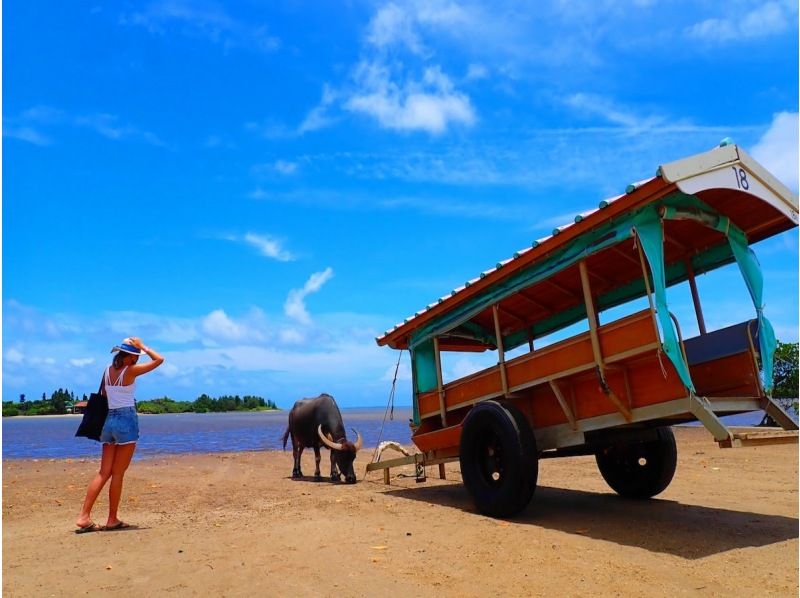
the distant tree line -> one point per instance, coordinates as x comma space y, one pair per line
62, 401
205, 403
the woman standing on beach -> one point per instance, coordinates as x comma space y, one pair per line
120, 432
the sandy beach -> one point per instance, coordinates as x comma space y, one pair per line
237, 525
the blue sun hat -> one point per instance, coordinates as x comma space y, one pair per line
126, 347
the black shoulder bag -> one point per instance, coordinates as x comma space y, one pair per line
94, 418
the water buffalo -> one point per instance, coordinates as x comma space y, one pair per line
316, 422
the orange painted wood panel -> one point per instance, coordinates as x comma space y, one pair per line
428, 403
438, 439
629, 333
617, 337
648, 386
475, 386
550, 361
730, 376
544, 409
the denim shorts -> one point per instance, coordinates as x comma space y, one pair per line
121, 427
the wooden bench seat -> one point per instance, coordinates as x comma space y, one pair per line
723, 363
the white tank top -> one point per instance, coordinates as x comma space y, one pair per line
119, 395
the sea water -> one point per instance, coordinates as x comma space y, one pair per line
53, 437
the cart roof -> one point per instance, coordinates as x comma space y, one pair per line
726, 178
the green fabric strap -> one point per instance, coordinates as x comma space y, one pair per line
651, 235
753, 278
694, 209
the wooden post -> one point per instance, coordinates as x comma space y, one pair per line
530, 340
698, 310
441, 471
598, 356
564, 407
439, 385
386, 476
500, 352
590, 313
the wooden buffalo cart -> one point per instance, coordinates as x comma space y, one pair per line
614, 389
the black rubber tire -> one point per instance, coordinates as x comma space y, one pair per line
499, 460
640, 469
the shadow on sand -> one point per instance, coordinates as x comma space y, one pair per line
664, 526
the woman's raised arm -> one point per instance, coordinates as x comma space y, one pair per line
142, 368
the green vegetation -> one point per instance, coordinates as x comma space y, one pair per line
785, 376
62, 401
205, 403
164, 405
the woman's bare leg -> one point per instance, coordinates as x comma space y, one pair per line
96, 485
122, 458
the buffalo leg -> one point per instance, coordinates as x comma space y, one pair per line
317, 459
297, 452
335, 477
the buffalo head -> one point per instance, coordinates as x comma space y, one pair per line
344, 453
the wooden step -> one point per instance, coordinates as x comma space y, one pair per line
760, 437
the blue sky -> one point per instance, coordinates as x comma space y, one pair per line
258, 189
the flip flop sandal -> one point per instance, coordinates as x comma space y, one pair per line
92, 527
116, 526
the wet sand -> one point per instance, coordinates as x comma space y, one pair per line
238, 525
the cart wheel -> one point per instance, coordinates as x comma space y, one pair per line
640, 469
499, 461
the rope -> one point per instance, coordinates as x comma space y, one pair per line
389, 408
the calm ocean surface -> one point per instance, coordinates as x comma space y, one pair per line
54, 437
42, 437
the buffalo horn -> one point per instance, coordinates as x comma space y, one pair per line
359, 441
331, 445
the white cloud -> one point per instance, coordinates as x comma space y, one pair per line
608, 110
777, 149
205, 20
43, 114
238, 354
771, 18
218, 142
431, 104
403, 372
295, 307
218, 325
219, 328
83, 362
108, 126
318, 117
169, 369
476, 72
393, 25
268, 247
464, 366
29, 124
335, 361
177, 330
13, 356
285, 167
292, 336
446, 14
28, 134
395, 82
